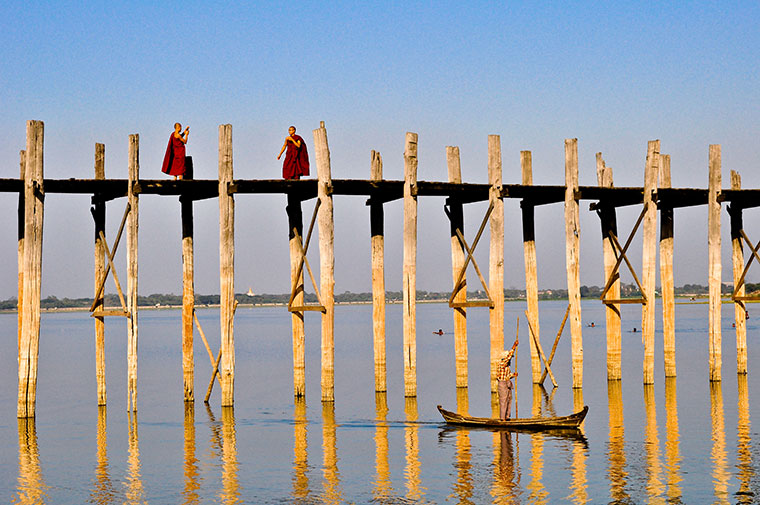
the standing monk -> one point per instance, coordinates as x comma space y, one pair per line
174, 159
504, 376
296, 161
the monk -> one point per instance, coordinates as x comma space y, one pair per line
296, 161
174, 159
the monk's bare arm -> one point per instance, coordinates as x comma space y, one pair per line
284, 146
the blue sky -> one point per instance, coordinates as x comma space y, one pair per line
612, 74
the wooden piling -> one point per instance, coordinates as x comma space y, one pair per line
714, 265
649, 258
29, 340
409, 282
572, 258
666, 274
737, 225
21, 220
188, 295
531, 266
99, 215
327, 261
226, 267
295, 232
496, 254
132, 230
376, 224
608, 218
456, 216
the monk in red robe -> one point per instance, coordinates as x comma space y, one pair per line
174, 159
296, 161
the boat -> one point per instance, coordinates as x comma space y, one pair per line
526, 423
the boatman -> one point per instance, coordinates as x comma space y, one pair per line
504, 375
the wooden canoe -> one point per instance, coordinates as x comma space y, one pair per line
527, 423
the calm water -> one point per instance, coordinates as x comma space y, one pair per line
678, 442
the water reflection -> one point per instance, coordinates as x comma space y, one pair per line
655, 488
230, 482
672, 443
718, 454
300, 455
579, 485
506, 487
616, 473
31, 486
331, 485
538, 493
414, 490
382, 491
103, 491
463, 487
744, 450
135, 492
192, 478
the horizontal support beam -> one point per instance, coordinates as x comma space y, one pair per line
472, 303
303, 308
624, 301
106, 313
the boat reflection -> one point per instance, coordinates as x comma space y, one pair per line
672, 443
383, 488
102, 491
616, 473
744, 465
134, 492
300, 454
655, 487
331, 484
192, 477
31, 488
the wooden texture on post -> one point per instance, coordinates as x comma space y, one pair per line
714, 265
99, 215
21, 214
649, 258
327, 261
226, 267
29, 341
376, 224
740, 310
132, 230
608, 219
188, 296
295, 230
496, 254
409, 281
456, 216
531, 273
666, 274
572, 258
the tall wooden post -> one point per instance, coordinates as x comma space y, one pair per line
496, 254
226, 267
737, 225
608, 218
188, 295
327, 261
409, 282
572, 258
666, 274
456, 215
295, 224
531, 274
99, 215
29, 341
21, 221
132, 229
714, 265
376, 225
649, 257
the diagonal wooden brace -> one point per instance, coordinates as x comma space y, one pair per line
540, 350
102, 283
303, 249
554, 347
754, 255
470, 250
622, 257
215, 364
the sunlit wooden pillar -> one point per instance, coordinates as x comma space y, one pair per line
714, 265
29, 340
21, 220
99, 215
327, 261
132, 230
666, 274
496, 254
531, 273
456, 216
737, 225
226, 267
572, 258
377, 225
188, 294
295, 224
649, 258
409, 282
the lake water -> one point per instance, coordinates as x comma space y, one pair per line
683, 441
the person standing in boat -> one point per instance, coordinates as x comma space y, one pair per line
504, 375
296, 161
174, 159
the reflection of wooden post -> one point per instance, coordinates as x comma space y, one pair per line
538, 493
376, 224
654, 486
735, 211
383, 487
31, 488
332, 491
29, 342
612, 312
135, 490
226, 267
188, 296
531, 275
616, 451
721, 475
649, 258
672, 451
714, 265
327, 261
409, 282
300, 450
411, 438
230, 481
295, 222
103, 490
572, 258
666, 275
132, 229
192, 479
456, 215
99, 213
496, 254
744, 451
464, 485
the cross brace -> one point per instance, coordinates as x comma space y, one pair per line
754, 248
620, 254
296, 287
101, 284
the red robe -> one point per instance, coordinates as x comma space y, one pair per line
174, 159
296, 161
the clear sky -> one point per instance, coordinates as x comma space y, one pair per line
612, 74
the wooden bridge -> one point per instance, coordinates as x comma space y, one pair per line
655, 194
